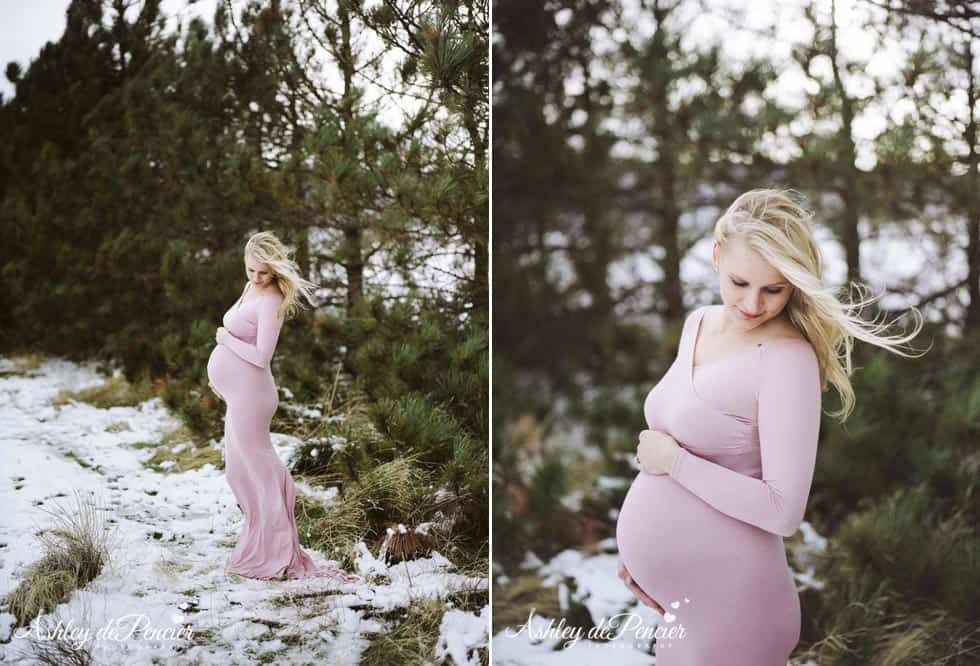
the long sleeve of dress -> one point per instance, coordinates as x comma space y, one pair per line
789, 424
267, 334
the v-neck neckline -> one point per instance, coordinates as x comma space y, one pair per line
241, 299
725, 359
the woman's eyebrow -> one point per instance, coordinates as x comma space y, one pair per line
774, 284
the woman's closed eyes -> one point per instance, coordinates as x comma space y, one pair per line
769, 290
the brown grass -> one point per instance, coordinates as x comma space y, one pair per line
113, 392
74, 550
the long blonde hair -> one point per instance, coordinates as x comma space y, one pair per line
267, 249
779, 229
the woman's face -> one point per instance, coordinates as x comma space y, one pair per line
752, 291
258, 274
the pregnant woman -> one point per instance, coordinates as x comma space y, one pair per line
239, 371
728, 457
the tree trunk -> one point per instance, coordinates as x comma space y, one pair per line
849, 192
354, 229
666, 187
481, 260
354, 267
972, 208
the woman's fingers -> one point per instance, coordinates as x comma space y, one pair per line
644, 598
621, 571
637, 591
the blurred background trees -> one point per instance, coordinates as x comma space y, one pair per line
622, 130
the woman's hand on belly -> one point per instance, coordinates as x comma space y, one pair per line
631, 585
656, 451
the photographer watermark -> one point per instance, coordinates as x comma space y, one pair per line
124, 628
609, 629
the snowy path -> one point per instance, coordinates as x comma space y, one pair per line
172, 536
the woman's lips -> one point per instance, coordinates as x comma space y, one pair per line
747, 315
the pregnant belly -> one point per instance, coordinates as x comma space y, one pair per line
221, 368
230, 374
675, 545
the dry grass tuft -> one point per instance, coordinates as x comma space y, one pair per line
74, 548
411, 639
513, 603
113, 392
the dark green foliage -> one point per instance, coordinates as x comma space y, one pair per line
413, 420
424, 369
893, 569
529, 476
201, 416
343, 448
910, 425
896, 492
445, 47
888, 541
147, 170
421, 345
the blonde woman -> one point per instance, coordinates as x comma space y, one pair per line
239, 371
728, 457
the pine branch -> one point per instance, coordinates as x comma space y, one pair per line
930, 11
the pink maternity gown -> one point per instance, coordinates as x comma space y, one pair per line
706, 540
239, 369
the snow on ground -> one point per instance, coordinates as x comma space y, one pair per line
459, 633
172, 534
625, 627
